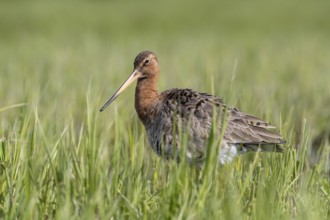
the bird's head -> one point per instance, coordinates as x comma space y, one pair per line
145, 67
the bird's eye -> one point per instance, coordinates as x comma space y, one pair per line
146, 62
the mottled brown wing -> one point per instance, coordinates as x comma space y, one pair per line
190, 112
193, 110
244, 128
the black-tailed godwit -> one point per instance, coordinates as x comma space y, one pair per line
165, 115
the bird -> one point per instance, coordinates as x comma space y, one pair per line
171, 113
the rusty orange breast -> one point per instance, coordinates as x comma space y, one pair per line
147, 99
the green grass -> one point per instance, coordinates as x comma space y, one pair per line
62, 159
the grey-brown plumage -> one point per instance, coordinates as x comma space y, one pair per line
176, 112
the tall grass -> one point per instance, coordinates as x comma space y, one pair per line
61, 158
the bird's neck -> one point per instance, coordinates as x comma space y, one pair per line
146, 99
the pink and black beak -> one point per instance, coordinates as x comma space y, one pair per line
134, 76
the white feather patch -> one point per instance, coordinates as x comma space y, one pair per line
227, 153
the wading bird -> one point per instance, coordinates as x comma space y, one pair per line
164, 115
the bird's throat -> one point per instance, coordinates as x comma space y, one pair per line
146, 99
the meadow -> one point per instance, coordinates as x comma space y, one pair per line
60, 158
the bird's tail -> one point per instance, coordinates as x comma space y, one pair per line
264, 147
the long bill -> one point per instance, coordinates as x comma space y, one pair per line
135, 75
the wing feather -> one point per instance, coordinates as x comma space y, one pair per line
193, 112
